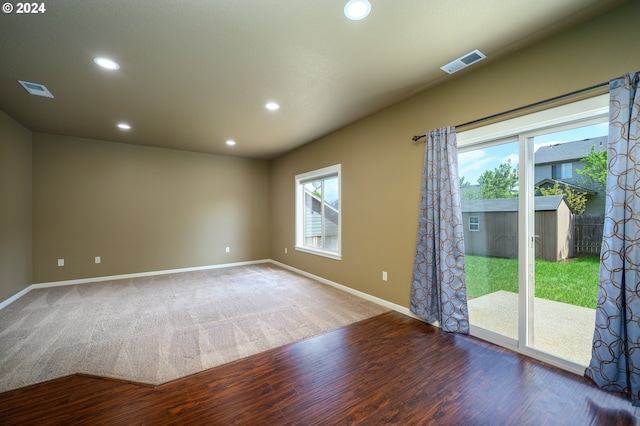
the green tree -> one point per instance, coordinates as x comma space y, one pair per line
595, 168
500, 182
577, 201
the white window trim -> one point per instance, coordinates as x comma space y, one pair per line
477, 223
582, 111
299, 200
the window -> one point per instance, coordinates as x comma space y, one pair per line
474, 223
318, 212
562, 171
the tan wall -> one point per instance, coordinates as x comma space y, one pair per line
381, 166
15, 207
142, 209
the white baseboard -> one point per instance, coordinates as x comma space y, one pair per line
15, 297
363, 295
366, 296
144, 274
123, 276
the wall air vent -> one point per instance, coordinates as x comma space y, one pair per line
463, 61
36, 89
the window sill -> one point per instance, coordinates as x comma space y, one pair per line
323, 253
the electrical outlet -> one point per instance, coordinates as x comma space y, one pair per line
286, 250
227, 249
60, 262
98, 260
384, 276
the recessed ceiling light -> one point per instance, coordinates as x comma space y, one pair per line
357, 9
272, 106
106, 63
230, 142
124, 126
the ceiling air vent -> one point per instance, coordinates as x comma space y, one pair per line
36, 89
463, 61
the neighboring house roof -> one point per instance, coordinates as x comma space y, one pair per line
549, 203
313, 205
548, 183
569, 151
317, 202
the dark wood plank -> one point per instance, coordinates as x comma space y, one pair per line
389, 369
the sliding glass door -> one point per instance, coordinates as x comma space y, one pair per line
568, 188
489, 195
533, 209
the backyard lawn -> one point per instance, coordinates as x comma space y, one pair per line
574, 281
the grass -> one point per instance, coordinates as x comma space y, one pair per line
574, 281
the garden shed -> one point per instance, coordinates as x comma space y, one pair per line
491, 227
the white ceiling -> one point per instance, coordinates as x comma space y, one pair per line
195, 73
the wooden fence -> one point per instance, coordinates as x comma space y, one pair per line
587, 235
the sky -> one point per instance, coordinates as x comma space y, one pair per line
473, 162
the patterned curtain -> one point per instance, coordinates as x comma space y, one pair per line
615, 358
438, 290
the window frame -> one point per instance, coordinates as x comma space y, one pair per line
300, 180
556, 118
562, 171
476, 224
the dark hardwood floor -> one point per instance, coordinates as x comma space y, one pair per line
389, 369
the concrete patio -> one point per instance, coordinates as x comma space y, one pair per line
562, 330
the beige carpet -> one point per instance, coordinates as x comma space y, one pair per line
157, 329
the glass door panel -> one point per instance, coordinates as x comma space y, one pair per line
489, 197
568, 215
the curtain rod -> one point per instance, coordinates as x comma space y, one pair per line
535, 104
